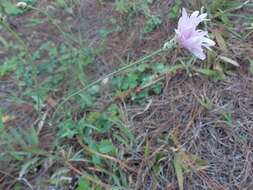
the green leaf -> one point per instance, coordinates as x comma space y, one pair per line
106, 146
157, 89
175, 10
251, 66
122, 6
94, 89
85, 100
1, 121
104, 32
83, 184
8, 66
142, 67
159, 68
220, 40
28, 165
152, 24
178, 165
60, 3
67, 129
211, 73
146, 150
10, 8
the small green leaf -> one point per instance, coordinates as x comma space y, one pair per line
146, 151
106, 146
152, 24
8, 66
159, 68
83, 184
94, 89
122, 6
60, 3
10, 8
157, 89
142, 67
251, 66
25, 168
1, 121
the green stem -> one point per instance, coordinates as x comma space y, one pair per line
110, 75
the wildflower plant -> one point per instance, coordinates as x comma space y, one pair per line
187, 36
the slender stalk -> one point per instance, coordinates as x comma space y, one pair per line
110, 75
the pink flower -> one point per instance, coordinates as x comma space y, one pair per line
189, 37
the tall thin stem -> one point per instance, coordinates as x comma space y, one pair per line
110, 75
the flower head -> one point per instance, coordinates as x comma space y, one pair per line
189, 37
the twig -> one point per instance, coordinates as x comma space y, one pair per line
89, 178
104, 156
26, 182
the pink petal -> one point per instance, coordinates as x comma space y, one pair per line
200, 54
194, 14
203, 16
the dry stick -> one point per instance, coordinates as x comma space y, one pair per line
86, 148
89, 178
210, 182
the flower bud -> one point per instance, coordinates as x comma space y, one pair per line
22, 5
105, 81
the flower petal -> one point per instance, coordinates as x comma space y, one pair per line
194, 14
200, 54
203, 16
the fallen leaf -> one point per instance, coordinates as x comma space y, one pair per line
228, 60
220, 41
